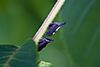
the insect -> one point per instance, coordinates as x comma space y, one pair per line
53, 27
43, 42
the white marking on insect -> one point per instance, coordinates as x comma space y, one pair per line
53, 33
57, 29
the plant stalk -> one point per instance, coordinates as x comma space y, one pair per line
48, 20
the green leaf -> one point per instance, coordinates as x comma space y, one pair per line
82, 32
5, 52
45, 64
24, 56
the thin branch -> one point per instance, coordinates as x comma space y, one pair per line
48, 20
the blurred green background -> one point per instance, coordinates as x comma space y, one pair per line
77, 44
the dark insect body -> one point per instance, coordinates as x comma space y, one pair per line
53, 27
43, 42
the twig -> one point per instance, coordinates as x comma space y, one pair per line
48, 20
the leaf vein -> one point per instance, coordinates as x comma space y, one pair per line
5, 56
82, 16
92, 41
